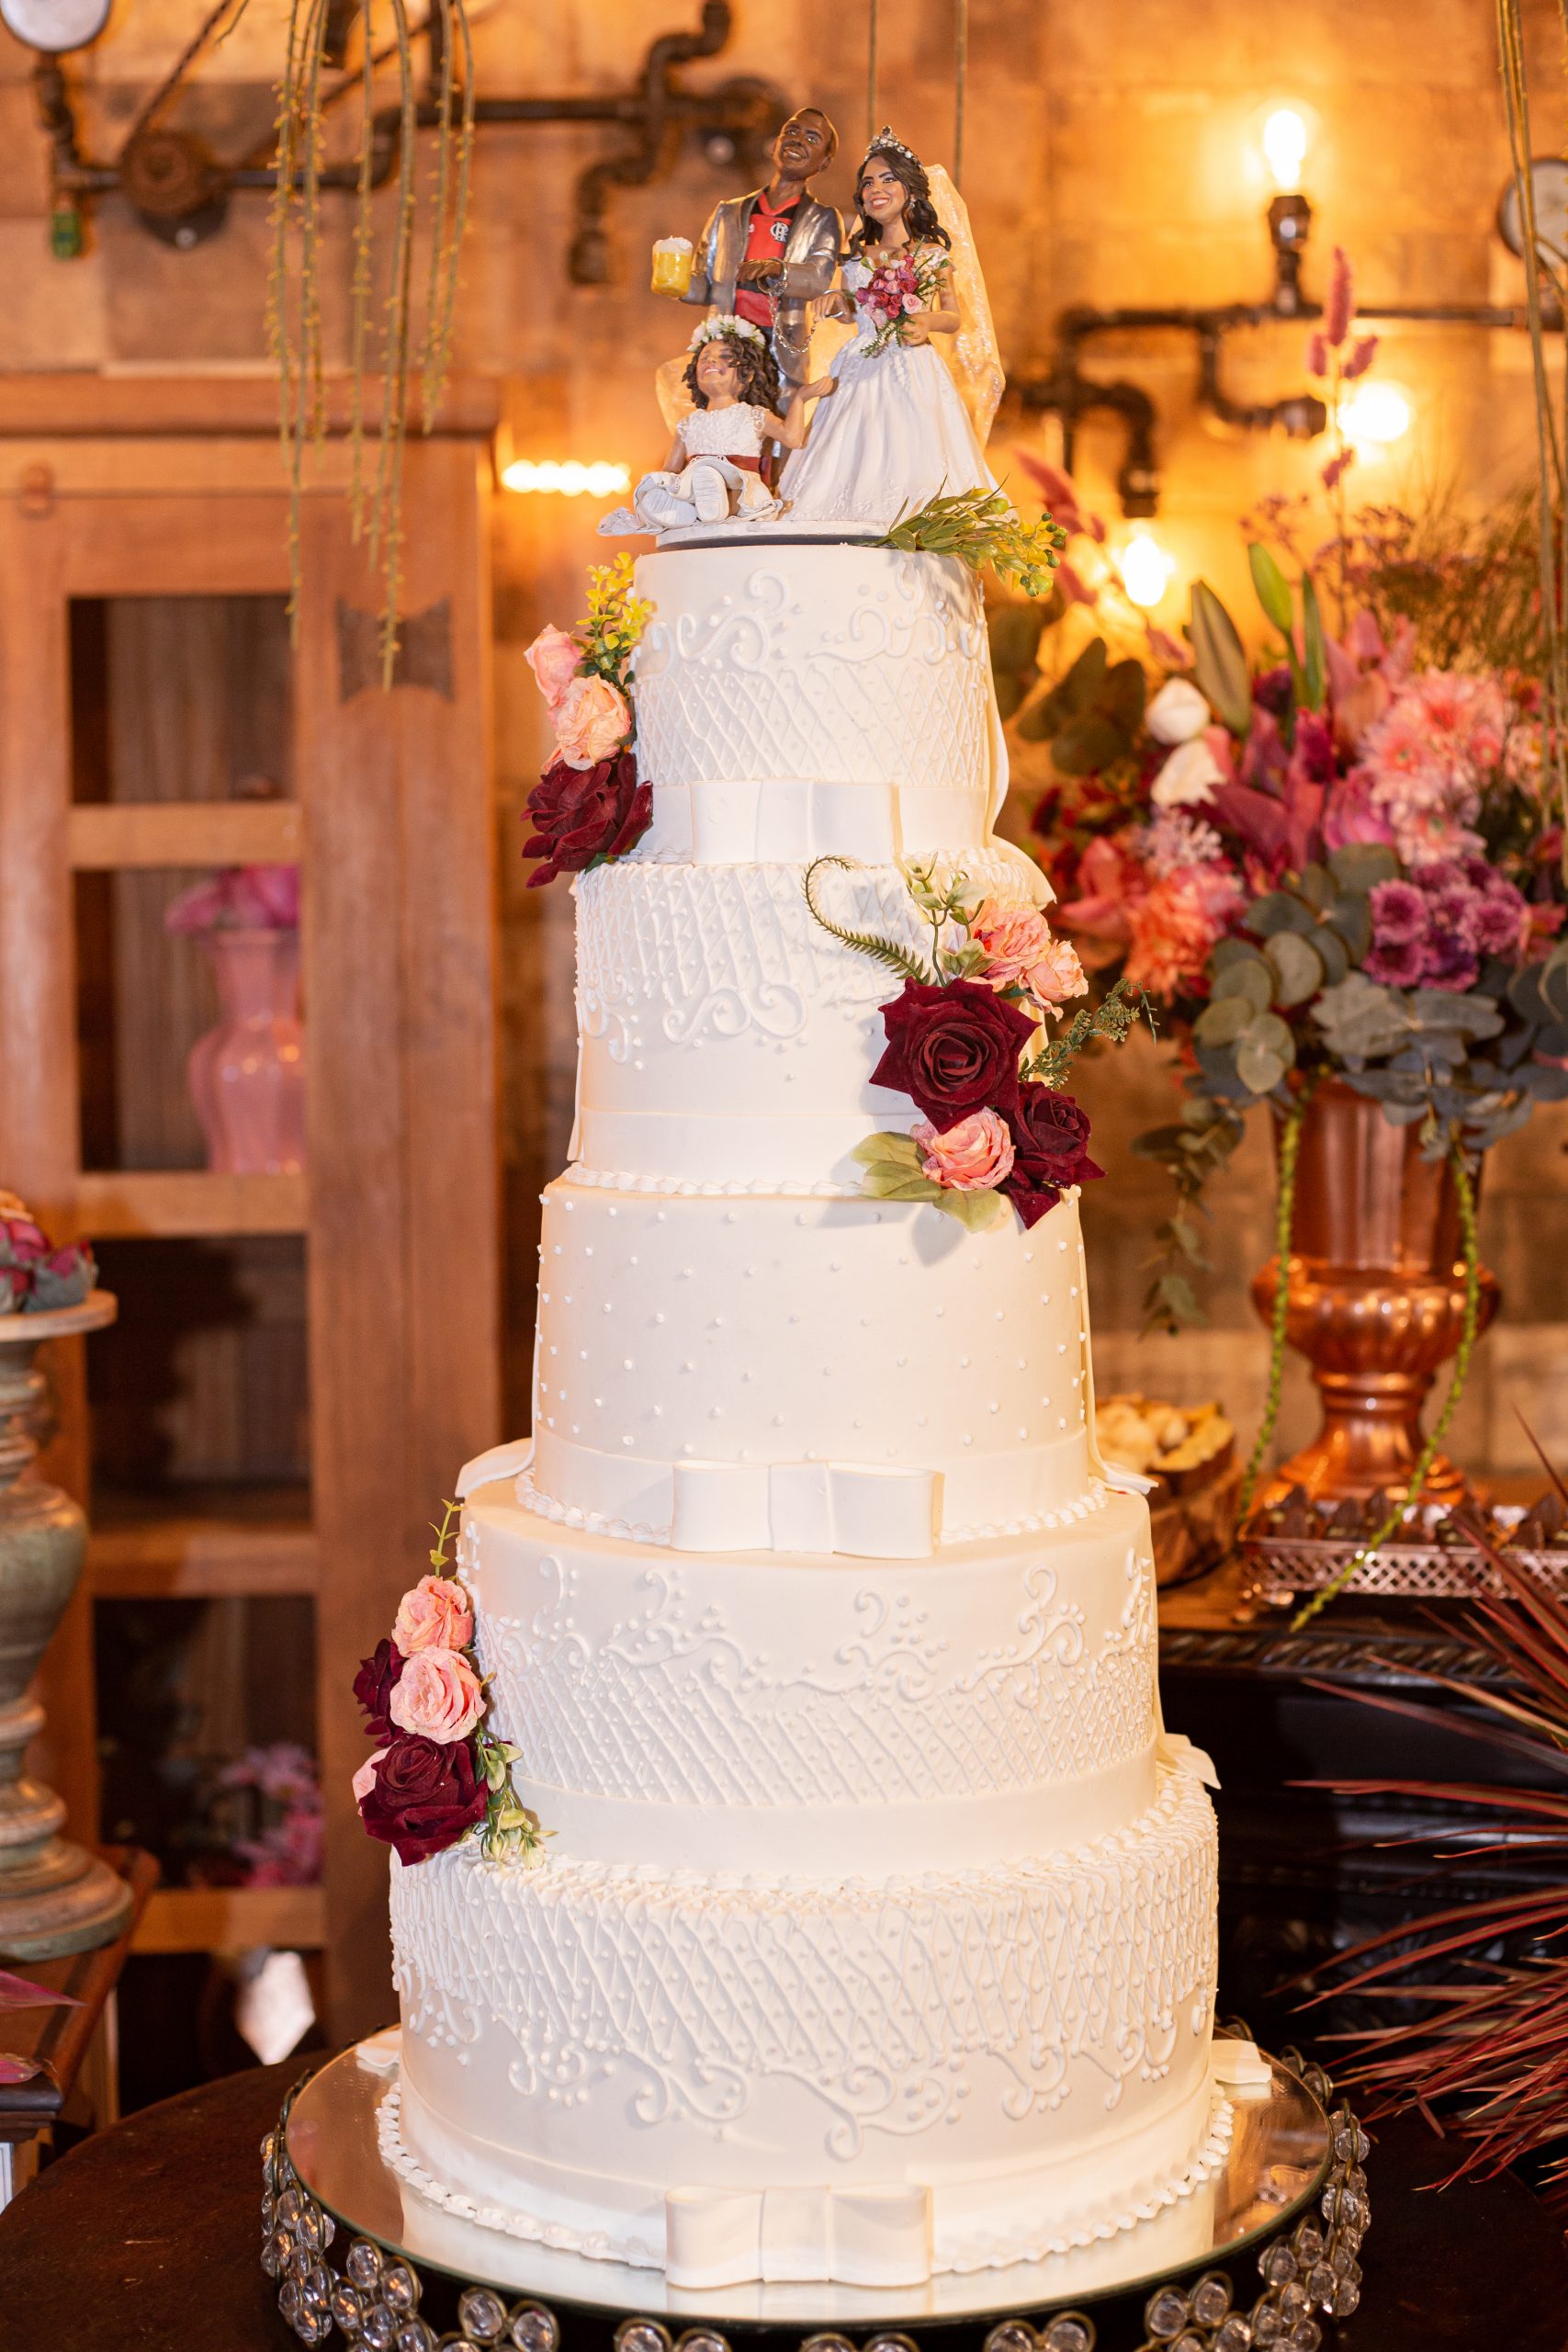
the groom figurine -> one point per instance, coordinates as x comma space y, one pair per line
769, 255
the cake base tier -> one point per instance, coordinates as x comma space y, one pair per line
1278, 2171
957, 2068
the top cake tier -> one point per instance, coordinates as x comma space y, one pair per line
794, 701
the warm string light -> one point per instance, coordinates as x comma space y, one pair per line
1284, 141
569, 479
1145, 569
1371, 415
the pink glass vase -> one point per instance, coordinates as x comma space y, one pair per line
247, 1076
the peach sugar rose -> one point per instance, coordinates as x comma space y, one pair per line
365, 1779
437, 1695
973, 1157
1021, 953
592, 722
555, 659
435, 1616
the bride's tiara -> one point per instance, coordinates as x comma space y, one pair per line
884, 139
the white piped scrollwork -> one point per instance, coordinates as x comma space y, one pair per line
675, 1704
884, 680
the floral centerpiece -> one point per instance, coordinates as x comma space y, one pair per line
438, 1772
1338, 865
588, 805
36, 1275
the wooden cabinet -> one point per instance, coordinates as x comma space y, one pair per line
131, 513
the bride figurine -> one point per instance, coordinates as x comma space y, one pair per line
713, 472
896, 430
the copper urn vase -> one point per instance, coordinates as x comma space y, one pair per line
1375, 1300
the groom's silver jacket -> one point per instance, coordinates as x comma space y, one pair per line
810, 259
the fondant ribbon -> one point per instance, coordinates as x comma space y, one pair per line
788, 822
862, 2237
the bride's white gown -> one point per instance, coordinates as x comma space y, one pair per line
893, 434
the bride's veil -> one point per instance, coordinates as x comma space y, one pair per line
972, 353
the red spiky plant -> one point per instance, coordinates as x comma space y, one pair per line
1487, 2059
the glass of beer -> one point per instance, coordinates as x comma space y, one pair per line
672, 265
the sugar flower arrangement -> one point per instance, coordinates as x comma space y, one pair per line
587, 807
438, 1773
37, 1277
964, 1044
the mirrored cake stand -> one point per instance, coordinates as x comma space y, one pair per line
1264, 2256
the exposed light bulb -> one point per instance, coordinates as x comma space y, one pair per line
569, 479
1145, 569
1284, 142
1372, 415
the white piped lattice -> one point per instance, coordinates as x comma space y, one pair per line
687, 1994
676, 1706
884, 681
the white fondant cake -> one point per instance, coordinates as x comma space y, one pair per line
875, 1931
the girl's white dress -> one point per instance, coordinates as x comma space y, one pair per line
893, 434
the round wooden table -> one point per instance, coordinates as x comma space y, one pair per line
146, 2238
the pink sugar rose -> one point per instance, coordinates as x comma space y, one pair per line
592, 722
1020, 953
555, 659
365, 1779
437, 1696
435, 1616
973, 1157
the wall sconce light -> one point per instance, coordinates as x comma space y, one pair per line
1370, 416
1145, 569
569, 479
1284, 138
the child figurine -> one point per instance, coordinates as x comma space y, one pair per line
714, 471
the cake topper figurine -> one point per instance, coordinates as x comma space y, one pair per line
903, 426
713, 472
771, 256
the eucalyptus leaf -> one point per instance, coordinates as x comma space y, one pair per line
1554, 987
1219, 666
1358, 864
1546, 1085
1220, 1075
1475, 1016
1126, 691
1298, 969
1015, 633
1273, 589
1359, 1020
1525, 996
1230, 951
1331, 952
1316, 886
1259, 1070
1351, 916
1278, 910
1273, 1035
1224, 1020
1252, 981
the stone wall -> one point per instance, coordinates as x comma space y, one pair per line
1112, 157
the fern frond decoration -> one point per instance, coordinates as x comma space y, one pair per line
981, 529
887, 951
1115, 1016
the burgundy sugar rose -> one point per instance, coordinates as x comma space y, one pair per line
954, 1050
421, 1796
580, 815
372, 1687
1050, 1135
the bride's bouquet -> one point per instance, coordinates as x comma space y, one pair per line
892, 294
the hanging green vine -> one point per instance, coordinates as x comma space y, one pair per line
294, 308
1284, 1226
1465, 1193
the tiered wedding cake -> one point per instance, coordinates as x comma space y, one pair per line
875, 1930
